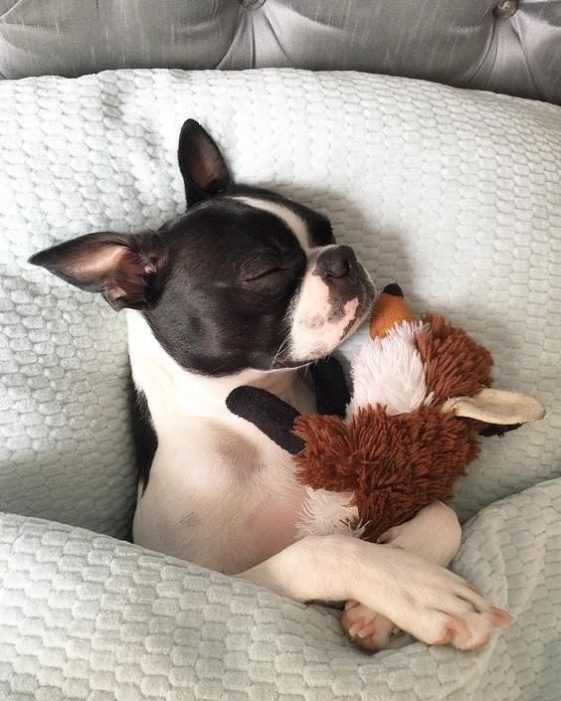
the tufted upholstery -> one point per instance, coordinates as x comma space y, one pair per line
510, 46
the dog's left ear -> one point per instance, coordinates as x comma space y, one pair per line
204, 171
124, 268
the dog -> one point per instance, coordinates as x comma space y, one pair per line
246, 288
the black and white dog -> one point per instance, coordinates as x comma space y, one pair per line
245, 288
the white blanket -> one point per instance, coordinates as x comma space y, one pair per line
89, 617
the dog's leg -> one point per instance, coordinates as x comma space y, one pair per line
434, 534
420, 597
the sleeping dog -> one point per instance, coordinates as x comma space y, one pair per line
245, 288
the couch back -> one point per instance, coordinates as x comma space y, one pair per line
509, 46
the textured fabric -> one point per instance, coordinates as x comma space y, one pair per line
88, 617
510, 46
422, 179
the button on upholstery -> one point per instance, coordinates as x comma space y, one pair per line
505, 9
251, 4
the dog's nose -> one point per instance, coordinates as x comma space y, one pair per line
336, 262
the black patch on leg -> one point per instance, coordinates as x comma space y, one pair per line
144, 436
330, 385
272, 416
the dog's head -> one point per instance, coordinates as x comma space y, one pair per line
245, 279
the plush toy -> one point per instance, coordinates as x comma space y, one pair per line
421, 399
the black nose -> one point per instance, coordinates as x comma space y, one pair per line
336, 262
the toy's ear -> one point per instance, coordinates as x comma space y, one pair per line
501, 409
270, 414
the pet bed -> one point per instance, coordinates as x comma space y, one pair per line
455, 194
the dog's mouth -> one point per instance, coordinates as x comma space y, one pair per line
326, 333
363, 310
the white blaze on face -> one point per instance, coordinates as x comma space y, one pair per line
319, 322
318, 325
295, 223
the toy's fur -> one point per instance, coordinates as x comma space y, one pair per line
398, 451
455, 365
394, 360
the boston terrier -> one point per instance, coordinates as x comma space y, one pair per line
247, 288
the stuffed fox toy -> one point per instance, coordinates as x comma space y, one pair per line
421, 400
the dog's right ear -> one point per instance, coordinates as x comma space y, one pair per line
204, 171
123, 268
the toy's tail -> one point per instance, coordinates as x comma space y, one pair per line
390, 309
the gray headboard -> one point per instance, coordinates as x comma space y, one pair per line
511, 46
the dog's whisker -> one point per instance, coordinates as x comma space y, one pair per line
280, 349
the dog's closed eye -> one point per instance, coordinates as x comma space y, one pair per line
267, 268
265, 273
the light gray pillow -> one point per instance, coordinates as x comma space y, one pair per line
454, 194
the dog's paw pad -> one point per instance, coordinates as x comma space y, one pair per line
365, 628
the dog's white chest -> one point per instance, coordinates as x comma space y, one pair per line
219, 498
220, 493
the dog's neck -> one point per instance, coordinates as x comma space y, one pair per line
174, 393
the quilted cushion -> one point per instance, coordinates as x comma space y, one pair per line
454, 194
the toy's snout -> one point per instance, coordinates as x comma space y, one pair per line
390, 309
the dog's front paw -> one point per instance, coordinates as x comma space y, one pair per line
366, 628
446, 610
429, 602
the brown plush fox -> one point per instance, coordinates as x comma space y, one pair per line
421, 399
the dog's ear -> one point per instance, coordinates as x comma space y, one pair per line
204, 171
123, 268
